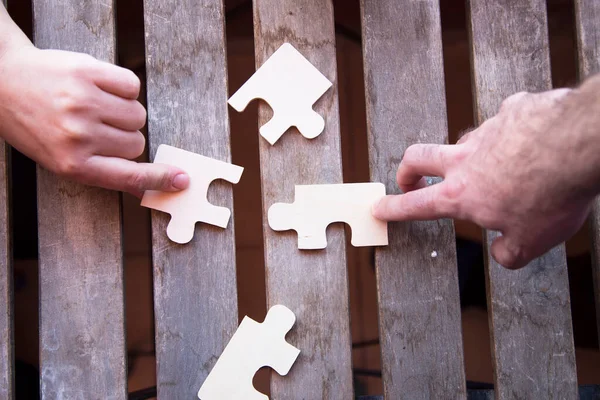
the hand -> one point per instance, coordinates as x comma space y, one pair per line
79, 117
526, 172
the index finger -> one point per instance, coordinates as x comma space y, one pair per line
423, 204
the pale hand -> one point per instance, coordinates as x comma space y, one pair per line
79, 117
526, 173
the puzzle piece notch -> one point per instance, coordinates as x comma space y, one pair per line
317, 206
291, 85
191, 205
253, 346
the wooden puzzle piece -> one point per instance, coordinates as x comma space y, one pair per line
291, 85
253, 346
317, 206
191, 205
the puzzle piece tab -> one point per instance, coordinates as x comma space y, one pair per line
253, 346
291, 85
317, 206
191, 205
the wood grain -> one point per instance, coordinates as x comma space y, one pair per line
6, 277
313, 284
417, 277
194, 284
82, 334
587, 15
532, 334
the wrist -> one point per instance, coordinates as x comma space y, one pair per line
11, 37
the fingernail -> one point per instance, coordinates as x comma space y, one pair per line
181, 181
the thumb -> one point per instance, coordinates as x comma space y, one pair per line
507, 253
135, 178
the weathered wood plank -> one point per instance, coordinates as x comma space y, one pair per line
194, 284
587, 15
6, 278
313, 284
532, 333
419, 308
82, 334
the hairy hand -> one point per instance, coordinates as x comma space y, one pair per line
525, 173
79, 117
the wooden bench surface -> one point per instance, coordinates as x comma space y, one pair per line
82, 330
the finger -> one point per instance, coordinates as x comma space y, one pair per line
116, 80
507, 253
113, 142
421, 160
121, 113
423, 204
135, 178
466, 135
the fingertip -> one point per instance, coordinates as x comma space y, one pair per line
181, 181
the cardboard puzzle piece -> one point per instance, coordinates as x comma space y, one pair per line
291, 85
253, 346
317, 206
191, 205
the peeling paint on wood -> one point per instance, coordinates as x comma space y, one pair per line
313, 284
530, 308
417, 276
195, 291
587, 15
82, 338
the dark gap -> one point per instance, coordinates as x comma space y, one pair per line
469, 237
247, 195
137, 264
23, 200
362, 283
563, 61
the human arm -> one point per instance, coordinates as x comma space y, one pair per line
76, 116
531, 172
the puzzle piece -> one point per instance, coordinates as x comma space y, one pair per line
291, 85
253, 346
191, 205
317, 206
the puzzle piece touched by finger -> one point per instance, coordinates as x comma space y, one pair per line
291, 85
317, 206
253, 346
191, 205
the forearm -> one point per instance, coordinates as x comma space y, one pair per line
10, 34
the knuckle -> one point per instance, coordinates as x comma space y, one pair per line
69, 167
74, 131
139, 145
133, 82
137, 181
513, 100
140, 115
80, 65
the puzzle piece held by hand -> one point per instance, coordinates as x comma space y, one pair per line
191, 205
291, 85
317, 206
253, 346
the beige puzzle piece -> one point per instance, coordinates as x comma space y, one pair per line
191, 205
317, 206
253, 346
291, 85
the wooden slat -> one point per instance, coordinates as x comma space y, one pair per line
587, 15
82, 334
532, 334
419, 308
313, 284
6, 279
194, 284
